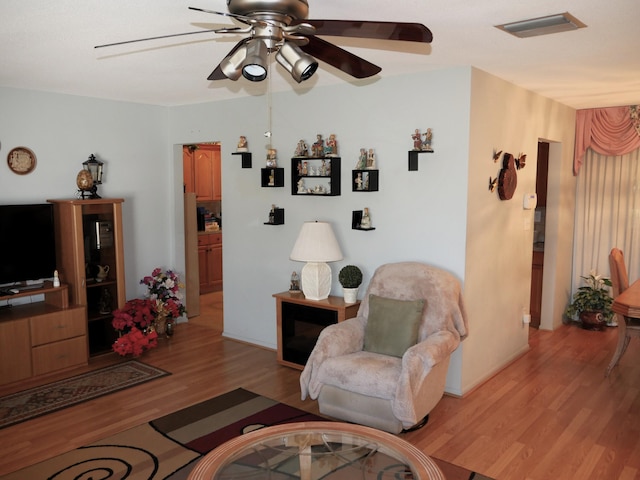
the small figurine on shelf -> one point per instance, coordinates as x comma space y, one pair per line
428, 136
362, 159
272, 214
331, 149
359, 181
417, 140
272, 154
305, 168
323, 168
271, 178
302, 149
318, 146
294, 286
242, 144
105, 304
301, 187
366, 219
371, 160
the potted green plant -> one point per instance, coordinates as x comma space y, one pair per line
592, 303
350, 277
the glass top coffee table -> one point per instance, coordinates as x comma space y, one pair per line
316, 450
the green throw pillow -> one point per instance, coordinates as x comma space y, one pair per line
392, 326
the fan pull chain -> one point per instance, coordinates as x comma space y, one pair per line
269, 115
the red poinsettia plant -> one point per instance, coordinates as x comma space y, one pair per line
134, 324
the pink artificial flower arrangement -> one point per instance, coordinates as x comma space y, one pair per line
164, 291
134, 325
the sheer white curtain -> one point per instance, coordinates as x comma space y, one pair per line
607, 214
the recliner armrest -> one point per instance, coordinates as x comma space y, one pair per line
335, 340
431, 351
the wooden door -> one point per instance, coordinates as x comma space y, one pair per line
188, 170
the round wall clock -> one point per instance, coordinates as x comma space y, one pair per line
21, 160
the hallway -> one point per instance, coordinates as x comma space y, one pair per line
211, 312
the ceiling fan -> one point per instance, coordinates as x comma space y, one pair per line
282, 27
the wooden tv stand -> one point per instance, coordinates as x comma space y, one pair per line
41, 337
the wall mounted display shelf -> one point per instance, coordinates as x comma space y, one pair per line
413, 158
272, 177
364, 180
319, 176
276, 217
246, 158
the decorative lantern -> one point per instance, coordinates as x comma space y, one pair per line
94, 167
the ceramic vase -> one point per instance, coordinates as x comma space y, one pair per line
350, 295
592, 320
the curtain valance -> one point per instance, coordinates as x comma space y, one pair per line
608, 131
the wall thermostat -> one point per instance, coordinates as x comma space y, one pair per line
530, 201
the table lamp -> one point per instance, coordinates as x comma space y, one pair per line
316, 245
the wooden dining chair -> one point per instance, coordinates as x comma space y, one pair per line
627, 327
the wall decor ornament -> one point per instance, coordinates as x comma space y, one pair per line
21, 160
508, 178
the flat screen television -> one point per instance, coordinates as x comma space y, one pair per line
27, 243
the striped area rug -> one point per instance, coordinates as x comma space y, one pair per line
169, 447
51, 397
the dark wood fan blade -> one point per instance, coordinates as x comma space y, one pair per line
217, 74
408, 32
333, 55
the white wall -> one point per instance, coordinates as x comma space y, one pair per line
500, 232
418, 215
441, 214
131, 139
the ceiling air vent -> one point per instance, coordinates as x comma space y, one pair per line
562, 22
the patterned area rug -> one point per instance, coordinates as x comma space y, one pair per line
168, 448
54, 396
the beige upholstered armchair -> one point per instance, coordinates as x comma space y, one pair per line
386, 368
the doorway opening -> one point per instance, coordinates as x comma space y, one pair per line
202, 186
537, 270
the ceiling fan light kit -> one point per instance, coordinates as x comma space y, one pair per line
300, 65
254, 67
282, 27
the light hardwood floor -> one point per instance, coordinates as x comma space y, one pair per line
551, 414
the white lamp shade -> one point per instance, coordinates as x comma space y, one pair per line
316, 243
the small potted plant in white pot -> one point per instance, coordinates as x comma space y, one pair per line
350, 277
592, 303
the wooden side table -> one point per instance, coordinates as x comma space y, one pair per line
300, 321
